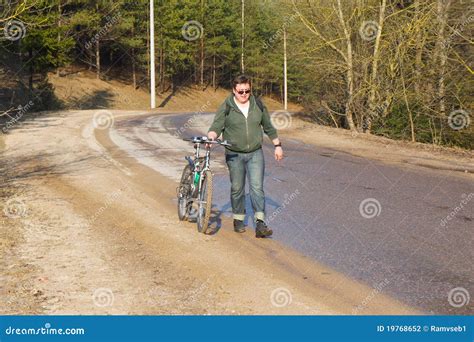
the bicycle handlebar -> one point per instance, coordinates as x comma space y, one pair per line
205, 140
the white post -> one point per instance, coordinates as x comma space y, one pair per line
152, 56
285, 84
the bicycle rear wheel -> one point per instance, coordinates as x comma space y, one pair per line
205, 202
184, 193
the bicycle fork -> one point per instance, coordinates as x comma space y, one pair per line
203, 170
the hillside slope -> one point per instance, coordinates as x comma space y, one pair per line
82, 90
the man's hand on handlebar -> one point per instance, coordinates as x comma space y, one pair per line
211, 136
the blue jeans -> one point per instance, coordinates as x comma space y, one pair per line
240, 165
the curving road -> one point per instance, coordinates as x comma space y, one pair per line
405, 232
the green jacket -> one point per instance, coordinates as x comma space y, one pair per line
245, 134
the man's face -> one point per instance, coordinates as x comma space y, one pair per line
242, 92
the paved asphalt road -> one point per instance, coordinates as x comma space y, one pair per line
379, 224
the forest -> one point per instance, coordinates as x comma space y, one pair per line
402, 69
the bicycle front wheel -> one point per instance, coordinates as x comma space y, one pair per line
205, 202
184, 194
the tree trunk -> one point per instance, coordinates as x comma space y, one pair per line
442, 53
134, 74
407, 103
214, 71
439, 68
97, 50
350, 91
349, 72
59, 31
97, 58
282, 95
419, 49
148, 68
373, 76
160, 63
202, 62
163, 66
201, 81
30, 60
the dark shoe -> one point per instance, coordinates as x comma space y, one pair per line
262, 231
239, 226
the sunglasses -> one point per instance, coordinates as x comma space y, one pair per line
242, 92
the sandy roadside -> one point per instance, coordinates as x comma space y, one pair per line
87, 230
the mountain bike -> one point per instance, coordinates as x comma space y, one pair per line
195, 186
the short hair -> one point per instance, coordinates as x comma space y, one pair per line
241, 79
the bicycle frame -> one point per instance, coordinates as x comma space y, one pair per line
195, 164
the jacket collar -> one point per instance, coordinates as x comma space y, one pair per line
230, 101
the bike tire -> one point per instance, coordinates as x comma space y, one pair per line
204, 209
184, 189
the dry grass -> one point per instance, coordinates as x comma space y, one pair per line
82, 90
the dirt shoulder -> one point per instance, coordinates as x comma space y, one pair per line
87, 230
419, 156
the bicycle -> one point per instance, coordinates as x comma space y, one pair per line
196, 183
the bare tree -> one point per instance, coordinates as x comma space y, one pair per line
344, 53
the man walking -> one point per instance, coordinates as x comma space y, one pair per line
241, 118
